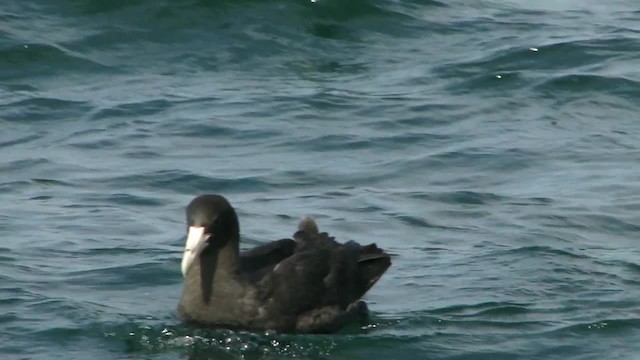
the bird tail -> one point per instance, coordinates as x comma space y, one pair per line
373, 262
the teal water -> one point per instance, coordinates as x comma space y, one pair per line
492, 146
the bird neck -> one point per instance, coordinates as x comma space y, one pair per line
219, 268
224, 259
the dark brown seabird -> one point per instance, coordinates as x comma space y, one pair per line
308, 284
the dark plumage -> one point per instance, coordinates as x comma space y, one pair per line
309, 284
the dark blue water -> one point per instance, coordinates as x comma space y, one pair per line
492, 146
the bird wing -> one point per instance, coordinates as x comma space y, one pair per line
266, 255
297, 283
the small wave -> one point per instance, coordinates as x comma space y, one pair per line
345, 10
136, 109
21, 140
26, 88
330, 143
634, 267
39, 58
479, 308
611, 326
186, 182
133, 276
501, 160
194, 343
211, 130
514, 68
323, 69
574, 53
541, 251
51, 182
99, 7
43, 109
459, 197
592, 222
124, 199
142, 154
24, 164
499, 320
576, 83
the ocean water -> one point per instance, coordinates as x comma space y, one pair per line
492, 146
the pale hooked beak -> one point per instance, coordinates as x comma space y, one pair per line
196, 240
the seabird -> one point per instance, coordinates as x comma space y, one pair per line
308, 284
